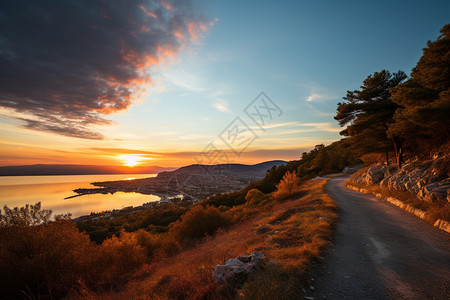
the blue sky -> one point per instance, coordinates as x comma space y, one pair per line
304, 55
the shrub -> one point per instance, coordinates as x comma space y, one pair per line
198, 223
44, 261
288, 186
255, 197
120, 256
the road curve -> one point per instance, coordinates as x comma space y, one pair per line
381, 252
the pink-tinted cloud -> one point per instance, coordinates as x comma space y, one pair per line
66, 64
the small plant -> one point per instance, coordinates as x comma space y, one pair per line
288, 186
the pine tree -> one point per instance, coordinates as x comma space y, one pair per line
368, 112
422, 121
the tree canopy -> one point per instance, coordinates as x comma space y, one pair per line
369, 111
422, 120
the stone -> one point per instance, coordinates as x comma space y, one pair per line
234, 262
375, 174
234, 271
443, 225
428, 179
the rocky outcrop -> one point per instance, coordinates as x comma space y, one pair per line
428, 179
372, 175
235, 271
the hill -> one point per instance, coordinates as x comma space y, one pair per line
257, 170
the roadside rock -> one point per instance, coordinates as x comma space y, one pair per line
428, 179
373, 175
236, 270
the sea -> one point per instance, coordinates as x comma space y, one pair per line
16, 191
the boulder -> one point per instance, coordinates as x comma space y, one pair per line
435, 192
235, 271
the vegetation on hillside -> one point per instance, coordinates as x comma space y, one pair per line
393, 113
44, 258
169, 250
295, 233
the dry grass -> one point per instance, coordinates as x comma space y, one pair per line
434, 210
298, 231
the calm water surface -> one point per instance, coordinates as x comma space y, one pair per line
51, 191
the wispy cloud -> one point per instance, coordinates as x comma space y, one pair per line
315, 92
221, 105
314, 97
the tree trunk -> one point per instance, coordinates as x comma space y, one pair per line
399, 158
387, 157
398, 152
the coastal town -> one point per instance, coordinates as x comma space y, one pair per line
184, 186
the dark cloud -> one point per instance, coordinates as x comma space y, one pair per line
66, 64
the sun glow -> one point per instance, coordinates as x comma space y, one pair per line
131, 160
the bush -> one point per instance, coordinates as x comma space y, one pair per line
121, 256
255, 197
44, 261
288, 186
198, 223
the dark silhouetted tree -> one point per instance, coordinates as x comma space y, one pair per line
422, 121
368, 112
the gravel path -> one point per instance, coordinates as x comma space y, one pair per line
381, 252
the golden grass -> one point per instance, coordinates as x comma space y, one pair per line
299, 230
434, 210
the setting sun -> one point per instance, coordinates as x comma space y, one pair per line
131, 160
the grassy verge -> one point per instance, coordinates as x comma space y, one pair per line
295, 232
434, 210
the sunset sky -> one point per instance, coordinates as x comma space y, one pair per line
162, 82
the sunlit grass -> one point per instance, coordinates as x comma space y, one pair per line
299, 230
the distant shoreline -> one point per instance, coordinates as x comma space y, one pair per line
81, 174
69, 169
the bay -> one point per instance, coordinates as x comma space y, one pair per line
16, 191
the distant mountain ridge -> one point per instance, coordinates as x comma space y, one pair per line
260, 168
70, 169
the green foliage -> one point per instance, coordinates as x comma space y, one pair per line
154, 220
422, 121
325, 160
368, 112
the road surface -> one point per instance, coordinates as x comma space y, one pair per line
381, 252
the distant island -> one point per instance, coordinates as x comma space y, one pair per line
72, 169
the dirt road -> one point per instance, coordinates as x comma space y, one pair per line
381, 252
